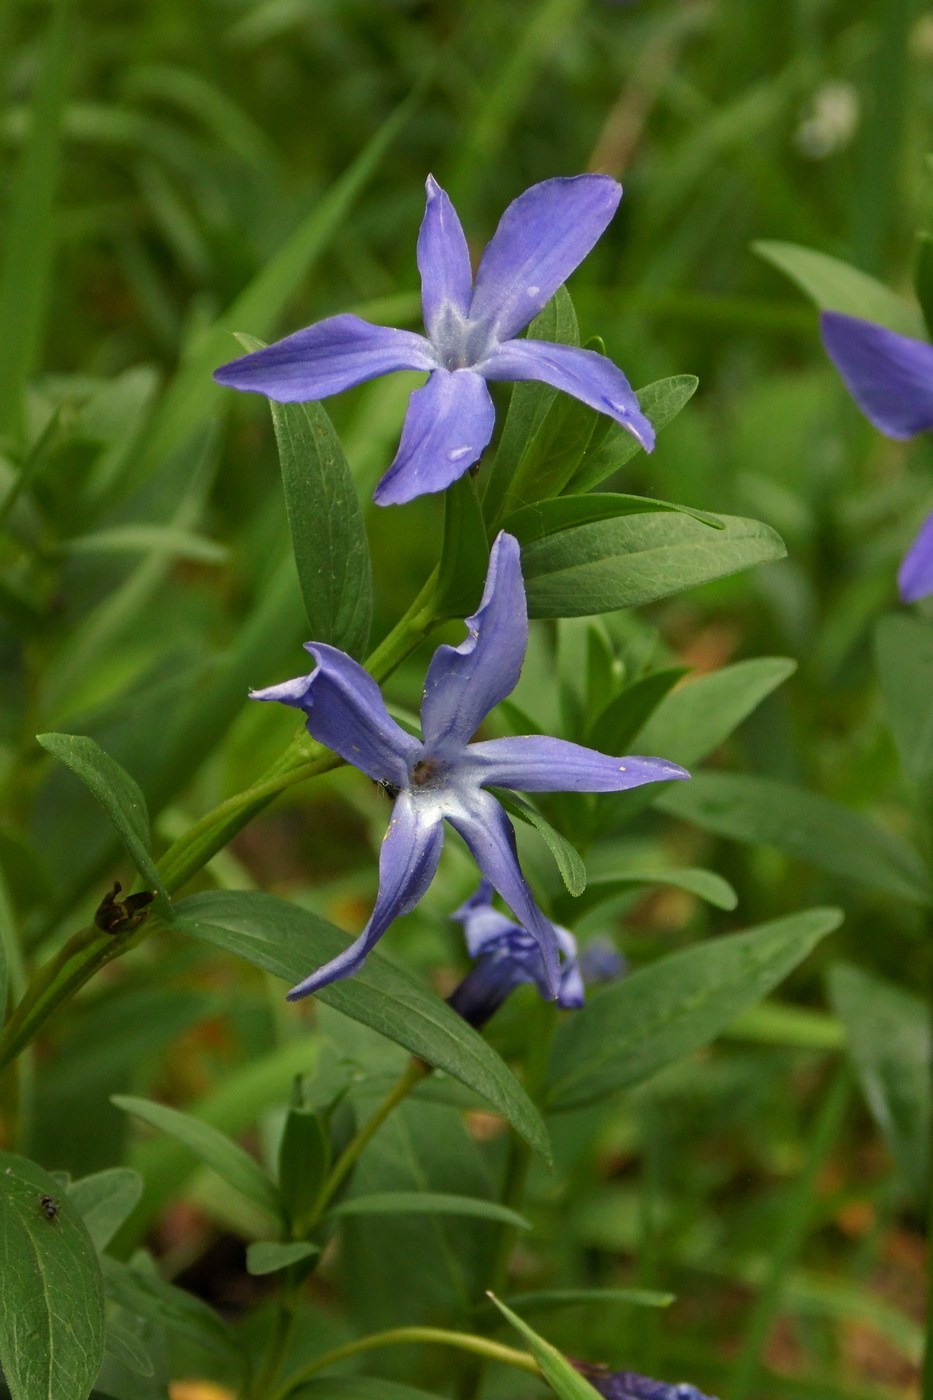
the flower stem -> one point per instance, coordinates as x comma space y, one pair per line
413, 1074
404, 1336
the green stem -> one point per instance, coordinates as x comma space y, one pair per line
405, 1336
88, 950
414, 1072
794, 1227
278, 1345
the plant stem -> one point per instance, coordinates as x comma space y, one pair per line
403, 1336
413, 1074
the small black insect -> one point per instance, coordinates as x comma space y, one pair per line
50, 1207
120, 915
391, 790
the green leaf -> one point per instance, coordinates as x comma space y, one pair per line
703, 883
288, 941
428, 1203
696, 718
567, 858
145, 1295
52, 1319
564, 1379
147, 539
304, 1160
122, 1343
661, 402
836, 286
270, 1256
331, 549
464, 553
623, 563
546, 518
529, 404
118, 794
904, 651
804, 825
546, 1300
615, 727
31, 229
889, 1041
633, 1028
105, 1200
552, 455
211, 1147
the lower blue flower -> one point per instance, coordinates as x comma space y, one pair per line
629, 1385
507, 956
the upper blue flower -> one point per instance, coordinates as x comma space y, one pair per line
541, 238
890, 377
629, 1385
506, 956
443, 775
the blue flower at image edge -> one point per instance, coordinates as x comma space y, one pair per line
443, 776
890, 377
629, 1385
471, 329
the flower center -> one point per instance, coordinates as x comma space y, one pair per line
427, 773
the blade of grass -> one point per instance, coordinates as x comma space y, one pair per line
26, 258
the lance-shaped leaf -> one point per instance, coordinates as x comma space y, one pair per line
118, 794
52, 1318
326, 523
631, 1029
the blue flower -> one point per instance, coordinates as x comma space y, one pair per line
506, 956
628, 1385
890, 377
541, 238
443, 776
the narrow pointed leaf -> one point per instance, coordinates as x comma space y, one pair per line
326, 522
805, 825
105, 1200
624, 563
567, 858
631, 1029
211, 1147
836, 286
661, 402
429, 1203
904, 648
270, 1256
564, 1380
889, 1041
118, 794
697, 717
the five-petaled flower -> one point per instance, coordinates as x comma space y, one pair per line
890, 377
505, 956
629, 1385
471, 329
444, 776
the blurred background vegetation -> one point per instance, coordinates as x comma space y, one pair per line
175, 171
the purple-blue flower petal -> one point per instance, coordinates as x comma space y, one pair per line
447, 428
482, 924
444, 263
538, 763
915, 576
889, 376
464, 683
326, 358
408, 861
591, 378
488, 833
543, 235
346, 712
